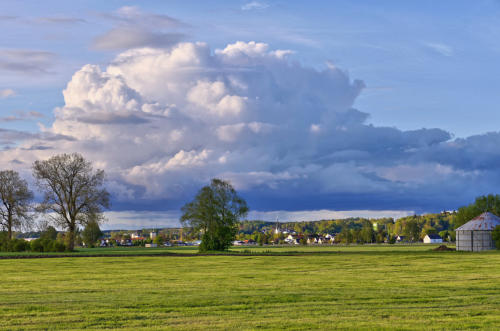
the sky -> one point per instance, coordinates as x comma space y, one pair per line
311, 109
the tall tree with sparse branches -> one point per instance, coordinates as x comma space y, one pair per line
15, 199
73, 192
215, 211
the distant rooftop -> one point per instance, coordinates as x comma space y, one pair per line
486, 221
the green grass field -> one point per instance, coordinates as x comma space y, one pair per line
355, 287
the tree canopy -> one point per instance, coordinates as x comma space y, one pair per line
73, 192
91, 233
486, 203
215, 211
15, 198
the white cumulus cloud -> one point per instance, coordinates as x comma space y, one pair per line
163, 121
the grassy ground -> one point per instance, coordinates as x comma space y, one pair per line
357, 287
285, 249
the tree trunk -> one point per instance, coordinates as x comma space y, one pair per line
9, 226
70, 240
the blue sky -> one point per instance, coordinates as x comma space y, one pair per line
422, 64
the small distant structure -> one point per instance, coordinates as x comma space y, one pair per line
433, 239
312, 239
475, 235
277, 229
151, 245
401, 239
153, 234
136, 235
293, 239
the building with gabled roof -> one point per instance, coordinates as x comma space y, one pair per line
475, 235
433, 239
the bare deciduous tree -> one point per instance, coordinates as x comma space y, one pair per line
73, 192
15, 199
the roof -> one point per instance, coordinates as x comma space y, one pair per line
486, 221
434, 236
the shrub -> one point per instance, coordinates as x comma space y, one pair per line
58, 246
14, 245
47, 245
36, 245
20, 245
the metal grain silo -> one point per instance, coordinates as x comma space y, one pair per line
475, 235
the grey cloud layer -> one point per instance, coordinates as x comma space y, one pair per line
26, 61
134, 28
162, 122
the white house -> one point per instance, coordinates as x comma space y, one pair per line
433, 239
312, 240
292, 239
325, 240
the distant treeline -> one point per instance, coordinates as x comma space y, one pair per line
414, 227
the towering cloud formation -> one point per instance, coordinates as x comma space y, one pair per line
162, 122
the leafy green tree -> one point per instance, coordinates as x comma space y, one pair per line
412, 229
346, 236
489, 203
261, 239
495, 235
91, 233
49, 233
367, 234
15, 199
215, 211
159, 239
73, 192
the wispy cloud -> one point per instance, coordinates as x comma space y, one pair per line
254, 5
135, 28
131, 37
22, 116
131, 220
61, 20
26, 61
440, 48
7, 18
6, 93
133, 15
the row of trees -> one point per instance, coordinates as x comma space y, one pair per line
217, 208
72, 195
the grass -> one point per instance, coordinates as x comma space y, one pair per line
356, 287
284, 249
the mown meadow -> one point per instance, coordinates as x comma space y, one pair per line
355, 287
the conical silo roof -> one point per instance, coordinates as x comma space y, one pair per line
485, 221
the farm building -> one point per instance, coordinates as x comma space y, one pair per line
475, 235
433, 239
